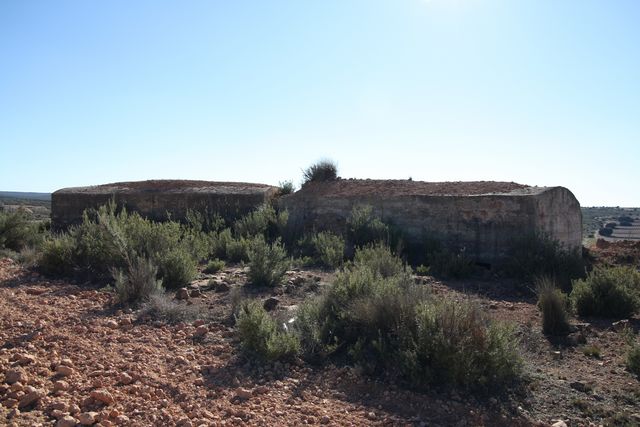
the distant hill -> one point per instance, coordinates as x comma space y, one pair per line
25, 196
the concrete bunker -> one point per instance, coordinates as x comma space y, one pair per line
161, 199
480, 218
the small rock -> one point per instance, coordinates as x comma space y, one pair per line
64, 370
199, 322
243, 394
67, 421
15, 375
88, 418
271, 303
559, 423
556, 355
112, 324
59, 406
196, 293
124, 378
580, 386
29, 399
56, 413
122, 419
325, 419
183, 293
371, 416
620, 325
26, 359
13, 413
60, 385
201, 331
102, 395
261, 389
221, 287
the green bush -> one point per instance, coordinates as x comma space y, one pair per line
382, 320
538, 255
267, 263
608, 292
238, 250
105, 239
164, 308
423, 270
138, 283
364, 228
443, 262
264, 221
286, 187
260, 335
214, 266
17, 231
328, 249
553, 304
633, 360
324, 170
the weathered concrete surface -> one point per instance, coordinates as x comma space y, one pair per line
160, 199
481, 218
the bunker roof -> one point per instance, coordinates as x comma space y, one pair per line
170, 186
393, 187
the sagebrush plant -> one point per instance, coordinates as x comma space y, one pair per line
633, 359
553, 305
268, 263
324, 170
364, 227
264, 221
214, 266
381, 319
138, 282
535, 255
17, 231
447, 263
286, 187
105, 237
260, 336
608, 292
328, 249
165, 308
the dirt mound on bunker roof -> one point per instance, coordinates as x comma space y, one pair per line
169, 185
393, 187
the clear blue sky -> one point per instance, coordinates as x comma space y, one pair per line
542, 92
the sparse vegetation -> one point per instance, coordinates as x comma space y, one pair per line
164, 308
264, 221
445, 263
538, 255
214, 266
633, 359
138, 283
17, 231
363, 227
608, 292
591, 350
328, 249
267, 263
286, 187
261, 336
553, 305
324, 170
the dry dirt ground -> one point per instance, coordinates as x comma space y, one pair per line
68, 356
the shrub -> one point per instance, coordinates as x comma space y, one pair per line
238, 250
164, 308
260, 336
591, 351
605, 232
285, 187
611, 225
552, 302
328, 249
608, 292
214, 266
138, 283
324, 170
538, 255
264, 221
443, 262
423, 270
364, 228
17, 231
633, 360
375, 314
105, 239
204, 221
267, 263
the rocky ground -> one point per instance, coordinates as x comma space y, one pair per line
68, 357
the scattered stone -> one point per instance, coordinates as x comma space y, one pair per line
556, 355
271, 303
60, 385
13, 413
620, 325
201, 331
243, 394
183, 293
64, 370
559, 423
26, 359
580, 386
122, 419
30, 398
112, 324
124, 378
59, 406
325, 419
196, 293
88, 418
67, 421
199, 322
221, 287
15, 375
103, 396
371, 416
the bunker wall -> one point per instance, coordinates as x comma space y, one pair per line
67, 207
